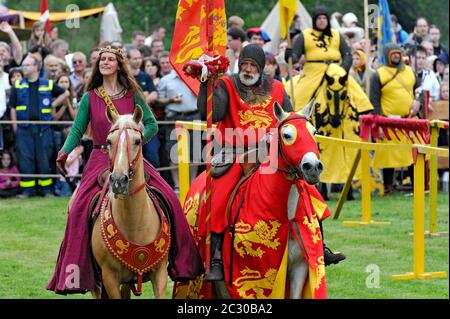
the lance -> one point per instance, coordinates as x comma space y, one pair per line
210, 86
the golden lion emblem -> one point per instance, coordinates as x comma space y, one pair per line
190, 290
256, 119
252, 281
262, 234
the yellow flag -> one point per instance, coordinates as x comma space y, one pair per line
288, 8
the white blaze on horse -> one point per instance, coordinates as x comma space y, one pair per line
270, 212
131, 237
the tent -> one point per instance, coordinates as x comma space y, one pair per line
272, 25
110, 29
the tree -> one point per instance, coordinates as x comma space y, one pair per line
142, 15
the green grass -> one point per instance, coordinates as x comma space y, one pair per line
31, 232
386, 248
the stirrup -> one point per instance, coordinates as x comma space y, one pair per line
332, 258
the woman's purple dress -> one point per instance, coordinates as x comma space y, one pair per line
74, 271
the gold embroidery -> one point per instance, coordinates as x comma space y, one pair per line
314, 227
123, 247
320, 272
190, 290
263, 104
191, 210
111, 231
159, 244
250, 285
262, 234
256, 119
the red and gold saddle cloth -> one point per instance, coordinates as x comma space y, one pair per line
138, 259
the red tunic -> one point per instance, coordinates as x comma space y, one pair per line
254, 121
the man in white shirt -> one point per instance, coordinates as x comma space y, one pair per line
426, 78
349, 28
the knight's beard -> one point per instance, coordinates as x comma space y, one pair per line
248, 79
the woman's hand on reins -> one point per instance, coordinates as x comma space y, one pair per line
61, 163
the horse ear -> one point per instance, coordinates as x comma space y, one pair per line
279, 113
307, 110
138, 114
111, 115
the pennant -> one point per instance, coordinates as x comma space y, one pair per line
190, 38
288, 8
45, 16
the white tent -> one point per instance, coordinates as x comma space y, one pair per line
110, 29
272, 25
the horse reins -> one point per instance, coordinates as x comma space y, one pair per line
132, 162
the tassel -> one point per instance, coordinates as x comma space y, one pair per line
137, 291
139, 286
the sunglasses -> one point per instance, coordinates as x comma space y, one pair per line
77, 62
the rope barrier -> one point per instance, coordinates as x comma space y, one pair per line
160, 169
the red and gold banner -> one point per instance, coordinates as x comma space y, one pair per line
190, 38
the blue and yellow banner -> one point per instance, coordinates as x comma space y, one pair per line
385, 33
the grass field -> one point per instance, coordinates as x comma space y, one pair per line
31, 232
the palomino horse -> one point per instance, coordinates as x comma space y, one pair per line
131, 237
272, 222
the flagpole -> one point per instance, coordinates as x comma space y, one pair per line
367, 47
290, 59
210, 85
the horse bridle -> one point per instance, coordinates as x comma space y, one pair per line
291, 170
132, 162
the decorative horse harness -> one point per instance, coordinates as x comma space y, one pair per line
138, 259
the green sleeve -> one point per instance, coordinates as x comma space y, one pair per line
79, 126
149, 121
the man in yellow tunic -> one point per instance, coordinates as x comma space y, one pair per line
392, 94
321, 46
339, 100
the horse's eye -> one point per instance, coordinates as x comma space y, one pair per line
108, 141
137, 142
289, 134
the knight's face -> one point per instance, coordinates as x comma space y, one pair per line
248, 72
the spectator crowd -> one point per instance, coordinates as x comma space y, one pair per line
46, 81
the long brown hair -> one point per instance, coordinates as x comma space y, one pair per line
124, 76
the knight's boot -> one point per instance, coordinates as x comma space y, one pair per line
216, 267
328, 255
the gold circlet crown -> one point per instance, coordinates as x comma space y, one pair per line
109, 48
